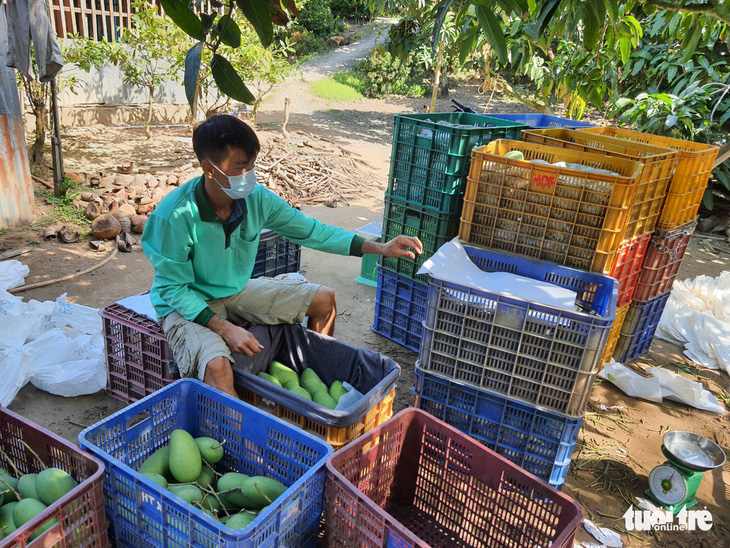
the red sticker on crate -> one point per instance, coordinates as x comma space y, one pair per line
541, 181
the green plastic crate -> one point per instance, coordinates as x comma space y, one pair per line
432, 154
433, 229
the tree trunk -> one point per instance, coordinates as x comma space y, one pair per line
36, 151
147, 131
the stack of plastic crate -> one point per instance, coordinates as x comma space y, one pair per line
674, 228
514, 374
429, 165
645, 209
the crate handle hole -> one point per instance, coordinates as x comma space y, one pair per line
136, 419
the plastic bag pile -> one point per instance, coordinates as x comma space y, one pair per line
697, 316
57, 346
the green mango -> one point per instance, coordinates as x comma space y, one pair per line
26, 510
311, 381
240, 521
261, 491
210, 502
27, 486
206, 477
337, 390
53, 483
323, 398
8, 484
158, 462
210, 450
269, 378
185, 460
189, 493
232, 482
283, 373
7, 525
157, 478
294, 388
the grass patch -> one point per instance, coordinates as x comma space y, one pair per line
343, 86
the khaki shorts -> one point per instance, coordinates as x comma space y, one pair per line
264, 301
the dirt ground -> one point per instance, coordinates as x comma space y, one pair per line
617, 448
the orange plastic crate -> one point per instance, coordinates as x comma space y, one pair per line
561, 215
627, 267
336, 437
651, 187
614, 334
693, 169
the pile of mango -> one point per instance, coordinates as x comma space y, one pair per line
309, 386
24, 496
185, 468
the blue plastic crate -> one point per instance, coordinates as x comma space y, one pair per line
539, 354
276, 255
142, 513
538, 441
432, 154
639, 328
400, 309
537, 120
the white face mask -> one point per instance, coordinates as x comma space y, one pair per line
240, 185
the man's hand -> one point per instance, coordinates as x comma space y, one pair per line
400, 246
237, 338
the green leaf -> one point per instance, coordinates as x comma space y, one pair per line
612, 6
722, 176
228, 80
192, 70
184, 18
546, 14
707, 198
441, 13
624, 45
594, 15
689, 44
229, 32
671, 73
259, 15
491, 28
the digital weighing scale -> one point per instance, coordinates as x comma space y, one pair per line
674, 483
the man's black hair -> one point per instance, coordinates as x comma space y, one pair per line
214, 137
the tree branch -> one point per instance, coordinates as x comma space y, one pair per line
711, 9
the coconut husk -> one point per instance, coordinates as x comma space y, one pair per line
51, 232
125, 223
144, 209
97, 245
105, 227
145, 200
138, 223
92, 211
113, 206
68, 235
124, 210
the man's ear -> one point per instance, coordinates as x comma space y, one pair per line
208, 169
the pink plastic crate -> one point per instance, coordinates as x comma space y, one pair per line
415, 481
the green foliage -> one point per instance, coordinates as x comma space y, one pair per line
350, 10
330, 88
385, 75
352, 79
63, 208
316, 17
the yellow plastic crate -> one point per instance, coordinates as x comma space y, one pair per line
560, 215
614, 334
652, 184
693, 169
336, 437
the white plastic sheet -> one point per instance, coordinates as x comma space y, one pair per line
697, 316
661, 384
451, 263
58, 346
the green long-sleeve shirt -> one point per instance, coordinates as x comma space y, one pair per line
197, 257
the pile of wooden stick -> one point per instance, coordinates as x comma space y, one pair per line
306, 169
